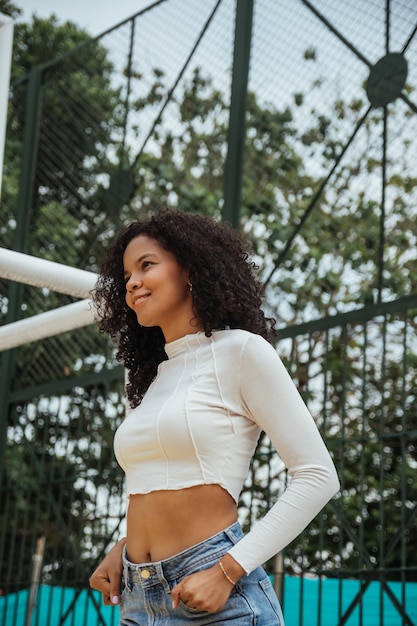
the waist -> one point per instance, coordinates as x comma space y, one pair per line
163, 523
183, 563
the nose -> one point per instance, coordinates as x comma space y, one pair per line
133, 283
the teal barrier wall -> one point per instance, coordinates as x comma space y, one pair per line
323, 603
318, 603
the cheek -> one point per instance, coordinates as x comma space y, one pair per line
181, 282
180, 290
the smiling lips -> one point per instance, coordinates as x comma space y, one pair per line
139, 299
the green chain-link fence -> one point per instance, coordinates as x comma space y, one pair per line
151, 114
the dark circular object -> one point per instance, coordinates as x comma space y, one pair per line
386, 79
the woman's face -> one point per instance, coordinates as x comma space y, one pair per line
157, 288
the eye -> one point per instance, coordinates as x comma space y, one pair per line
146, 264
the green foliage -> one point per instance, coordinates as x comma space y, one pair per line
9, 8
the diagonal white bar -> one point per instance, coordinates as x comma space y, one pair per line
30, 270
47, 324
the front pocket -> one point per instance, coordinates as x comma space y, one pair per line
269, 592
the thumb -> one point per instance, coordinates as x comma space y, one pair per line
175, 596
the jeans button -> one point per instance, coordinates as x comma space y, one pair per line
145, 573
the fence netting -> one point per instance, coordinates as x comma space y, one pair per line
103, 131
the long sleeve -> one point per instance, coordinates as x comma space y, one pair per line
271, 400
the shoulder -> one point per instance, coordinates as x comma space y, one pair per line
241, 341
254, 355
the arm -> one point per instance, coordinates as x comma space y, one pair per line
107, 577
271, 400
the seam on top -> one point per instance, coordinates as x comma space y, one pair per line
225, 407
196, 361
239, 393
158, 422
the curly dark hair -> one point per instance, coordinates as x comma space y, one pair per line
227, 291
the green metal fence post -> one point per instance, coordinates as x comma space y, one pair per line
237, 121
24, 205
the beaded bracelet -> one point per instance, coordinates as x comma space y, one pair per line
232, 582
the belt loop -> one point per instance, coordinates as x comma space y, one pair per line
126, 569
231, 533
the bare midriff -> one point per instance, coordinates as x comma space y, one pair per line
163, 523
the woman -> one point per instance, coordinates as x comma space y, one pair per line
182, 296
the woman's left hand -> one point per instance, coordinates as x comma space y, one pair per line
207, 590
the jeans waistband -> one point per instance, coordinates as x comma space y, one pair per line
183, 563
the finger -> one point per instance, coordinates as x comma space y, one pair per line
115, 591
101, 583
110, 600
175, 596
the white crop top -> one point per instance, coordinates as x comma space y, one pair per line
199, 423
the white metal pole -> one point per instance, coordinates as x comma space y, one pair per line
36, 576
75, 315
31, 270
6, 47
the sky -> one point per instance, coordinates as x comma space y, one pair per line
95, 16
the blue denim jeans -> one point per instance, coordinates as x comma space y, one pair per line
146, 599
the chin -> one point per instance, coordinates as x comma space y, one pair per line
144, 323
